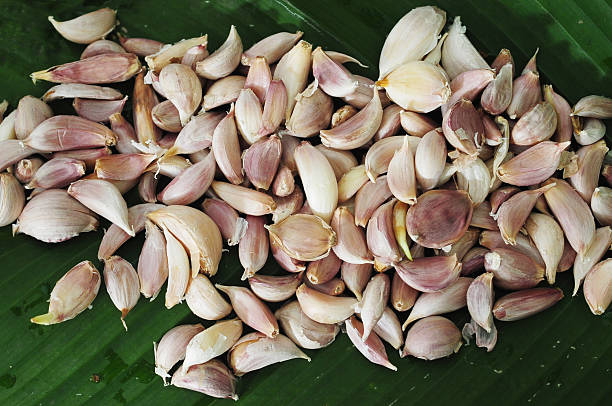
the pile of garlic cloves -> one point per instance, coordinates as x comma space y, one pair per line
377, 211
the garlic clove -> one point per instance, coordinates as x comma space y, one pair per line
223, 91
199, 132
563, 132
272, 47
596, 288
12, 199
458, 53
224, 60
123, 166
231, 226
548, 236
323, 270
468, 85
525, 303
371, 347
275, 288
143, 102
171, 348
369, 198
140, 46
304, 331
432, 338
351, 245
167, 117
30, 113
590, 160
583, 263
205, 301
253, 246
274, 108
171, 53
252, 311
416, 124
533, 165
288, 205
463, 127
593, 106
211, 342
403, 296
87, 28
293, 70
122, 285
356, 277
260, 161
333, 78
212, 378
259, 77
312, 112
324, 308
226, 149
249, 116
389, 125
99, 69
183, 88
401, 176
480, 296
190, 184
513, 270
381, 237
373, 303
429, 274
536, 125
77, 133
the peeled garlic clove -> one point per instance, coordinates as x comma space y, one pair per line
318, 180
597, 290
211, 342
600, 205
429, 274
104, 68
252, 311
429, 159
483, 339
371, 347
513, 213
171, 348
563, 132
272, 47
71, 294
249, 116
223, 91
284, 260
513, 270
324, 308
212, 378
104, 199
536, 125
526, 93
590, 160
463, 127
417, 86
231, 226
373, 303
226, 149
585, 262
30, 113
403, 296
183, 88
389, 125
293, 69
547, 235
57, 173
416, 124
255, 351
123, 166
288, 205
87, 28
412, 37
224, 60
324, 269
525, 303
351, 245
261, 160
572, 213
473, 176
497, 97
274, 108
312, 112
12, 198
122, 285
432, 338
26, 169
444, 301
467, 85
253, 246
480, 298
143, 102
77, 133
205, 301
458, 53
197, 233
356, 277
379, 156
169, 53
369, 197
593, 106
275, 288
533, 165
439, 218
53, 216
303, 331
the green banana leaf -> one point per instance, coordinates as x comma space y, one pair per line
561, 355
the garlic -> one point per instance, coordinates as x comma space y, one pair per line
226, 148
590, 160
494, 239
288, 205
389, 125
341, 161
429, 274
463, 245
101, 46
98, 110
536, 125
389, 329
480, 296
411, 38
122, 285
513, 213
12, 198
275, 288
274, 108
324, 308
178, 270
525, 303
223, 91
167, 117
526, 93
212, 342
87, 28
212, 378
122, 166
381, 237
7, 127
591, 131
196, 232
30, 113
25, 169
533, 165
482, 217
463, 127
401, 176
583, 263
473, 260
458, 53
169, 165
104, 68
194, 55
283, 184
83, 91
568, 257
249, 116
473, 176
303, 331
253, 246
224, 60
152, 262
500, 195
593, 106
172, 53
244, 200
492, 133
547, 235
231, 226
399, 227
351, 245
255, 351
435, 55
439, 218
468, 85
125, 133
312, 112
600, 205
371, 346
171, 348
379, 156
54, 216
183, 88
252, 311
140, 46
293, 69
373, 303
513, 270
272, 47
363, 93
190, 184
259, 77
403, 296
323, 270
261, 160
429, 159
356, 277
284, 260
77, 133
572, 213
597, 290
144, 100
205, 301
432, 338
199, 133
333, 78
446, 300
483, 339
57, 173
417, 86
563, 111
71, 294
497, 96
